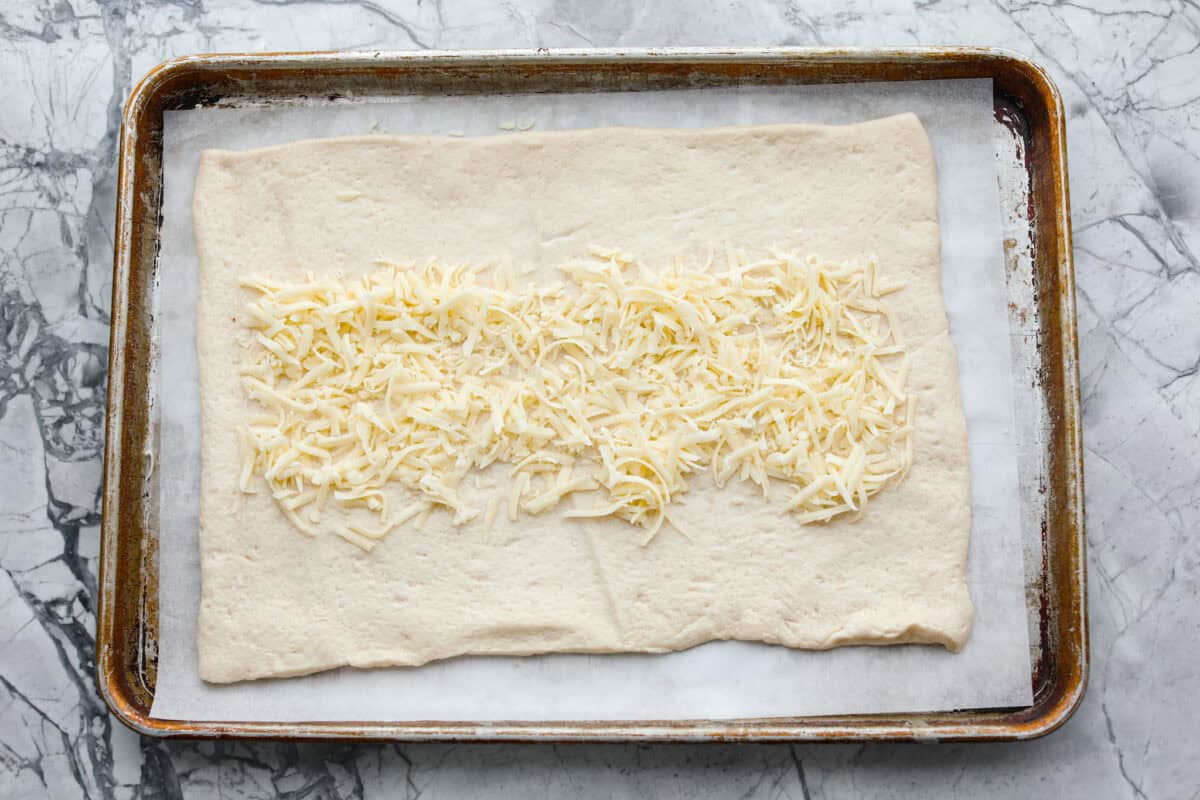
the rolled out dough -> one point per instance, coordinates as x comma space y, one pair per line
276, 602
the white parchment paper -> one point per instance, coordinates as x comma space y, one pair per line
719, 680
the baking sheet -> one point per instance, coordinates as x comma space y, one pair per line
721, 680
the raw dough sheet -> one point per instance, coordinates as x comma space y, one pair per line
718, 680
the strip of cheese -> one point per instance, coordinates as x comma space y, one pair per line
778, 369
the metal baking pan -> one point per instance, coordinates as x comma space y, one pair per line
1031, 153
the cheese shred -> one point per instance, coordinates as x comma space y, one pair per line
614, 387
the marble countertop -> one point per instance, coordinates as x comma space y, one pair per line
1127, 72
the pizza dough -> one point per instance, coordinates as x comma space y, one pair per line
276, 603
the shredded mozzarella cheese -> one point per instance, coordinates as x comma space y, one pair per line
619, 382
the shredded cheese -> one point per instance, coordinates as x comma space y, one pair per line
618, 383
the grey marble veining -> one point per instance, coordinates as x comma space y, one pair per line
1128, 73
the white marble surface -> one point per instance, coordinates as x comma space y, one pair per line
1128, 73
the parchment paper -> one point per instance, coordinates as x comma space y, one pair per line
715, 681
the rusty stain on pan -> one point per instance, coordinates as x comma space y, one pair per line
127, 622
